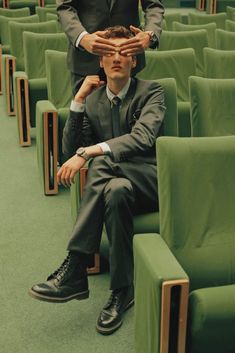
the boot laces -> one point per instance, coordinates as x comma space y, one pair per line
61, 271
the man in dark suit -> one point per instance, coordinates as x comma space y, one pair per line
84, 21
115, 126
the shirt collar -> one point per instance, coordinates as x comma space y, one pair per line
121, 94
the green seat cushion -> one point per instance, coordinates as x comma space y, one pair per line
184, 119
212, 320
37, 91
148, 223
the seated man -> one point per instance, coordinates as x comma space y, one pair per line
117, 125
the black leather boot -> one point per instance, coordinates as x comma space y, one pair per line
68, 282
111, 317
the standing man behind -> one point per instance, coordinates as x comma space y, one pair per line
84, 21
116, 125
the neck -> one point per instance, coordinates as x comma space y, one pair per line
116, 85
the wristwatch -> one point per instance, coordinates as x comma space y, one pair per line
153, 39
81, 152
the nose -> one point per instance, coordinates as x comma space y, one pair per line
117, 56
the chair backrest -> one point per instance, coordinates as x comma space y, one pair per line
199, 19
209, 27
230, 11
16, 37
196, 179
24, 11
58, 78
230, 25
17, 4
212, 106
4, 25
43, 11
170, 18
219, 63
179, 64
34, 45
225, 40
188, 39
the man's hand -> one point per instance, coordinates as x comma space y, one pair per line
94, 43
89, 85
137, 44
69, 169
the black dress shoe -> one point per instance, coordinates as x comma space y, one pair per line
111, 317
68, 282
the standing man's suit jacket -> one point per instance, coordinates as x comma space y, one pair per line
141, 116
77, 16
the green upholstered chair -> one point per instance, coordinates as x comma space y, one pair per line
230, 10
5, 37
51, 115
47, 3
179, 64
230, 26
212, 106
31, 85
142, 222
194, 254
15, 60
219, 63
24, 11
209, 27
17, 4
188, 39
225, 40
43, 11
199, 19
200, 5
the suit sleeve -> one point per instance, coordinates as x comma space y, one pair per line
77, 132
145, 131
69, 19
154, 12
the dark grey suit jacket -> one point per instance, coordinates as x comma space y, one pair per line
142, 112
77, 16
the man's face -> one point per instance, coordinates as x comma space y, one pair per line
117, 66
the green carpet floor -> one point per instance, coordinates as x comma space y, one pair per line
34, 230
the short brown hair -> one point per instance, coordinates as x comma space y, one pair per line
118, 32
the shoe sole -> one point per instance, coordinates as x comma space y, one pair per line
109, 331
78, 296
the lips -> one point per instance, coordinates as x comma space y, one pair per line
116, 67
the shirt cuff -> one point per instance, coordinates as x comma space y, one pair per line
80, 38
105, 147
77, 107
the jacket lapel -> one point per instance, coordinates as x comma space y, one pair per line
112, 2
104, 113
125, 106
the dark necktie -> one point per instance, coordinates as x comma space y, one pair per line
116, 116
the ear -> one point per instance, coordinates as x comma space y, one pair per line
133, 62
101, 62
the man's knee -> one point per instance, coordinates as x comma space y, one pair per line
118, 190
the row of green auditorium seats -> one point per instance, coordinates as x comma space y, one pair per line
185, 276
31, 4
14, 60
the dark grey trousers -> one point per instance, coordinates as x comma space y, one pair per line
114, 192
